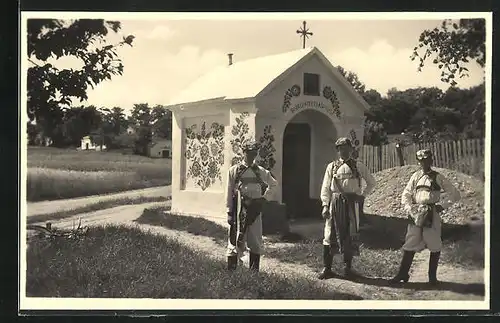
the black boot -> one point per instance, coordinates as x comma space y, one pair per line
254, 261
433, 264
327, 262
232, 262
348, 266
404, 269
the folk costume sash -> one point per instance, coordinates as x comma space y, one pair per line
345, 212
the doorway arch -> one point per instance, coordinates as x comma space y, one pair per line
307, 148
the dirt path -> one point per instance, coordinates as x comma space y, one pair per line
460, 284
37, 208
116, 215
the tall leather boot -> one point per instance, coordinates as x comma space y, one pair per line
254, 261
433, 264
348, 265
232, 262
327, 262
404, 269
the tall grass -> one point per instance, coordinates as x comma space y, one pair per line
121, 262
61, 173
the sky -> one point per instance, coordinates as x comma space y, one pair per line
168, 54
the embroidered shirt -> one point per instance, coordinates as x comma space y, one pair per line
420, 190
346, 179
250, 185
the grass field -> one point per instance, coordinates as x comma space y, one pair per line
371, 263
376, 259
62, 173
119, 262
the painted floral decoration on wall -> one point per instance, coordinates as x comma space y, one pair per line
240, 135
331, 96
291, 92
205, 154
267, 150
355, 142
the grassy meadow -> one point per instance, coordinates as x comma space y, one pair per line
67, 173
378, 257
373, 262
139, 264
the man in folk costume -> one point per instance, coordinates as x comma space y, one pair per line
249, 186
419, 199
342, 197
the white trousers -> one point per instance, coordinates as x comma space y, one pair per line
253, 239
418, 238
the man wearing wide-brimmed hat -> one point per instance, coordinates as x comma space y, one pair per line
419, 199
342, 196
249, 186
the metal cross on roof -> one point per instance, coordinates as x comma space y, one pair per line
304, 33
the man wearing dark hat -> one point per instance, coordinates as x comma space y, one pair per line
419, 199
342, 197
249, 185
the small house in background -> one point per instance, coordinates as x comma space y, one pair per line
160, 148
88, 144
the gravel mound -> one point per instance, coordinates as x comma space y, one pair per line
386, 199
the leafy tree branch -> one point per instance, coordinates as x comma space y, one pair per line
452, 46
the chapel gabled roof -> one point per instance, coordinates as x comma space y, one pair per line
246, 79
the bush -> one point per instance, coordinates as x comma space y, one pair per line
374, 134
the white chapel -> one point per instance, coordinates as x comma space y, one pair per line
295, 104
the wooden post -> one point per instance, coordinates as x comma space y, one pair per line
399, 152
435, 153
379, 157
446, 154
456, 154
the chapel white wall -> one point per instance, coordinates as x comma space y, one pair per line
188, 197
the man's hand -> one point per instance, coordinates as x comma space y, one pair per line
325, 213
230, 218
439, 208
409, 213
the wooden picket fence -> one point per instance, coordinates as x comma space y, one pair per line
463, 155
